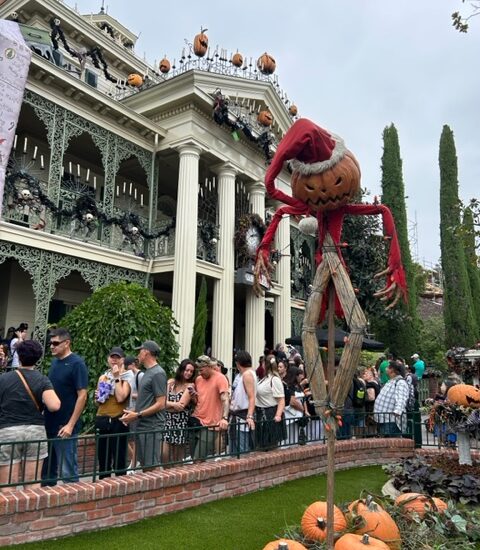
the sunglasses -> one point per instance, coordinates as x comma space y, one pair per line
56, 343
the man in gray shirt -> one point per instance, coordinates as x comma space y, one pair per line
149, 408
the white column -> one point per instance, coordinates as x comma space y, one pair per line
282, 312
224, 288
185, 259
255, 307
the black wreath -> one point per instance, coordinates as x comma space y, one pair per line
244, 224
83, 205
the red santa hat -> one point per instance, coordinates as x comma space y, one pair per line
309, 150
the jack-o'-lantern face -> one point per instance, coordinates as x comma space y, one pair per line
331, 189
464, 394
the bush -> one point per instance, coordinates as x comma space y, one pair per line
121, 314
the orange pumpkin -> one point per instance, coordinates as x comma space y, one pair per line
415, 502
376, 522
284, 544
164, 66
293, 110
237, 59
200, 43
464, 394
314, 521
331, 189
265, 118
134, 80
350, 541
266, 64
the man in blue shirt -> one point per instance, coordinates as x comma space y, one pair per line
418, 365
69, 376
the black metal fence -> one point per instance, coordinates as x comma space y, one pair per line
99, 456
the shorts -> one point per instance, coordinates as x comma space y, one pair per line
18, 443
149, 447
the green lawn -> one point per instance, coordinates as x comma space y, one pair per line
243, 523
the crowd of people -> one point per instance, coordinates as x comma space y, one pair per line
145, 420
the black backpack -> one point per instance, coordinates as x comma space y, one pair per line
359, 393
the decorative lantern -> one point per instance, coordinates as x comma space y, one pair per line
265, 118
200, 43
293, 110
266, 64
134, 80
164, 66
237, 59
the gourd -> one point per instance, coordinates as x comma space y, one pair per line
200, 43
416, 502
284, 544
351, 541
265, 118
314, 521
266, 64
464, 394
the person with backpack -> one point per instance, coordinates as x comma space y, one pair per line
391, 404
413, 406
358, 403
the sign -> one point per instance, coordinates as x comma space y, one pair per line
245, 277
15, 58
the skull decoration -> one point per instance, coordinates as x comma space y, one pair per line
134, 230
25, 194
88, 217
14, 15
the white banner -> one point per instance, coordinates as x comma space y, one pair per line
15, 58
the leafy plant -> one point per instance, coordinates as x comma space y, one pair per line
197, 346
121, 314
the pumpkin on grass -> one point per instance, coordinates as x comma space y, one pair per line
464, 394
314, 521
375, 521
351, 541
416, 502
284, 544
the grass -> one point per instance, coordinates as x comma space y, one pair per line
243, 523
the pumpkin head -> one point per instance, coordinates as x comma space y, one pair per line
237, 59
164, 66
265, 118
415, 502
375, 521
200, 43
351, 541
284, 544
464, 394
134, 80
314, 521
293, 110
330, 189
266, 64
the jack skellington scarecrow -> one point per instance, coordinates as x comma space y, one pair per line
325, 179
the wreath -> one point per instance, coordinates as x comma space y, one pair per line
246, 222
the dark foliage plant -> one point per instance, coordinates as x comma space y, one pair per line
120, 314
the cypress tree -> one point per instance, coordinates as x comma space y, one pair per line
472, 262
197, 346
399, 334
460, 325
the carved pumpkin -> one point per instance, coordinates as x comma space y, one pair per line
200, 43
293, 110
265, 118
415, 502
134, 80
284, 544
164, 66
330, 189
266, 64
314, 521
351, 541
237, 59
464, 394
375, 521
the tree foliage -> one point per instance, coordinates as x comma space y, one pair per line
399, 334
120, 314
460, 21
197, 347
460, 325
471, 258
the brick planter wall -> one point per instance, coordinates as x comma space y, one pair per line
39, 514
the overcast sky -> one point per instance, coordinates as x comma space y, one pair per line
352, 66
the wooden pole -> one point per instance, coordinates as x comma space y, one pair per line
331, 435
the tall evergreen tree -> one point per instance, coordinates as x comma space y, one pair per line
399, 335
472, 262
460, 325
197, 346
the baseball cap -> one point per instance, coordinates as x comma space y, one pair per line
117, 351
415, 356
150, 346
203, 361
129, 360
